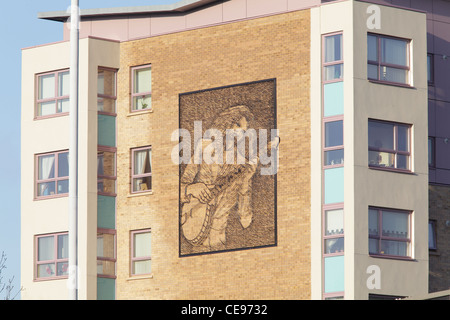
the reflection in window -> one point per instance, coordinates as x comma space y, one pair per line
53, 93
388, 59
52, 258
334, 231
141, 177
106, 91
106, 171
106, 252
53, 174
141, 88
141, 252
389, 145
432, 243
389, 232
333, 65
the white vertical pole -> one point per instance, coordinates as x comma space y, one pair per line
73, 152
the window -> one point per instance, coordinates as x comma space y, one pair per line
432, 243
431, 151
141, 169
141, 252
141, 88
430, 68
334, 231
106, 171
389, 232
389, 145
52, 174
106, 253
334, 142
53, 93
388, 59
333, 60
106, 91
52, 256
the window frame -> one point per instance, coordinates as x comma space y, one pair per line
380, 236
55, 261
56, 98
139, 94
106, 96
434, 247
333, 207
102, 231
432, 144
326, 64
380, 64
134, 259
430, 68
394, 151
139, 176
55, 179
101, 177
327, 120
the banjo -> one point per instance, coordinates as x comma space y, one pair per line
196, 216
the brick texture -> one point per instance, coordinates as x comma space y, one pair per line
264, 48
439, 211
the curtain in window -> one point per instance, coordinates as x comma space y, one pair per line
142, 162
143, 81
139, 162
46, 171
395, 224
333, 49
394, 51
334, 222
142, 248
47, 86
45, 248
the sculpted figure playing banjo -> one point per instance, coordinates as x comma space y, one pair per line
211, 191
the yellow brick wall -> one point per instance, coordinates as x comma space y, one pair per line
240, 52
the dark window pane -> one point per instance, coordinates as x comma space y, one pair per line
372, 48
381, 135
394, 51
402, 162
372, 71
333, 72
333, 48
63, 186
334, 245
63, 164
403, 138
334, 157
334, 134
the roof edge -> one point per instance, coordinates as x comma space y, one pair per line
180, 6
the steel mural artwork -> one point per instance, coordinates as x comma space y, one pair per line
228, 160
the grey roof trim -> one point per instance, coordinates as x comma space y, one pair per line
180, 6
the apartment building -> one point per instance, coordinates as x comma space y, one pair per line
348, 202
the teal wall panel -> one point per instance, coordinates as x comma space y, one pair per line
106, 130
106, 289
106, 212
333, 99
334, 185
334, 274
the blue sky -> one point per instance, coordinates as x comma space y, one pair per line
20, 28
